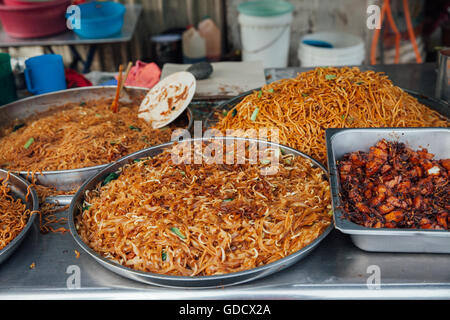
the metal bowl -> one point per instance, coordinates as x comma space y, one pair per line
438, 105
22, 109
19, 189
183, 281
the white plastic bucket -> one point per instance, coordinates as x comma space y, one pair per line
266, 38
347, 49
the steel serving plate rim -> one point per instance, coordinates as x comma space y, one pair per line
351, 227
34, 201
59, 92
189, 112
186, 280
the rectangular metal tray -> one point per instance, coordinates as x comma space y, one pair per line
342, 141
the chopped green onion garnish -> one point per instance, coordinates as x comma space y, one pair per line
234, 112
330, 76
18, 126
254, 114
110, 177
86, 207
224, 112
259, 94
82, 103
178, 232
138, 160
270, 90
28, 143
265, 161
182, 173
304, 94
135, 128
163, 255
144, 138
359, 83
228, 200
282, 151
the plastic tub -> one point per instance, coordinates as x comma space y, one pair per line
34, 20
265, 31
347, 49
100, 19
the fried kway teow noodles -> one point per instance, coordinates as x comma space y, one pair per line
171, 218
77, 135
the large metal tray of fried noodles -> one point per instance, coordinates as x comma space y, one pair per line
440, 106
186, 281
24, 108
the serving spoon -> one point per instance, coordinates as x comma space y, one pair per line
168, 99
165, 101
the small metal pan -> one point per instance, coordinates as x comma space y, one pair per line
183, 281
19, 189
71, 179
342, 141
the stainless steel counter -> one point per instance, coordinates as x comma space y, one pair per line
336, 269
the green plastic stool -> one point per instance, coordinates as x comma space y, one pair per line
7, 82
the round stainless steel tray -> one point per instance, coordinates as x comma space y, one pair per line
19, 189
24, 108
183, 281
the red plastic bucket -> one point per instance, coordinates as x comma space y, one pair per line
35, 20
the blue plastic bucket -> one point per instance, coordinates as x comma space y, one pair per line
45, 73
100, 19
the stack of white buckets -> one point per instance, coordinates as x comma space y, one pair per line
346, 50
265, 36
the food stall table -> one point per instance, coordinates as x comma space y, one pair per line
52, 266
69, 38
